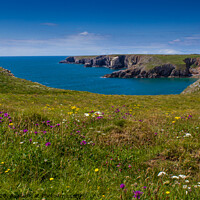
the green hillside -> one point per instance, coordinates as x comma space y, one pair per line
61, 144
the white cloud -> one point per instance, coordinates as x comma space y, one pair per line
174, 41
48, 24
84, 33
169, 51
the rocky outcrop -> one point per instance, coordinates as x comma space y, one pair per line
5, 71
193, 88
139, 66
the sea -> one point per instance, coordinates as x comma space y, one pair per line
47, 71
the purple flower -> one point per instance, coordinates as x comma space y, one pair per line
156, 133
145, 187
1, 117
137, 194
36, 124
5, 114
83, 142
30, 140
129, 166
48, 122
44, 132
25, 130
122, 186
48, 144
57, 124
36, 132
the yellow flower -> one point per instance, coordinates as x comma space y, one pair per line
103, 196
98, 187
177, 118
96, 170
6, 171
173, 122
67, 186
167, 192
73, 107
2, 163
51, 179
11, 124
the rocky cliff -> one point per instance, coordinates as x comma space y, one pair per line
142, 66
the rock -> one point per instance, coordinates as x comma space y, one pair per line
138, 66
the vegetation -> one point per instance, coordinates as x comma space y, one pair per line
58, 144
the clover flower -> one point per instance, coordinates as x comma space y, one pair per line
137, 194
48, 144
122, 186
83, 142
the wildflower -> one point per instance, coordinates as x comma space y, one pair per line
187, 181
21, 142
156, 133
182, 176
184, 186
68, 186
30, 140
122, 186
103, 196
96, 170
168, 192
173, 122
11, 124
51, 179
161, 173
83, 142
87, 114
187, 135
2, 163
145, 187
137, 194
48, 144
129, 166
25, 130
177, 118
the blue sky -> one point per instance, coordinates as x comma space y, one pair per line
63, 27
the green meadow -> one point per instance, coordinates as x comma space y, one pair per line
62, 144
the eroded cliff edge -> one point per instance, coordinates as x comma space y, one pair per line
142, 66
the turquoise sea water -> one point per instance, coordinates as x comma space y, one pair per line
48, 71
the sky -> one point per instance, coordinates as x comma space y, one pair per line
94, 27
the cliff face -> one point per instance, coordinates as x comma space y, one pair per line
140, 66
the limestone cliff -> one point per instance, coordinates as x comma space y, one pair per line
142, 66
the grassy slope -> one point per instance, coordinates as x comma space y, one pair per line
126, 149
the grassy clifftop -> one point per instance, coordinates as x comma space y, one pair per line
58, 144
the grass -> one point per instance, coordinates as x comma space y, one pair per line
58, 144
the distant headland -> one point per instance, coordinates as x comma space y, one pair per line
142, 66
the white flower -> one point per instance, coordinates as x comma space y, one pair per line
21, 142
35, 142
175, 177
182, 176
187, 135
187, 181
186, 192
161, 173
184, 186
87, 114
189, 188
